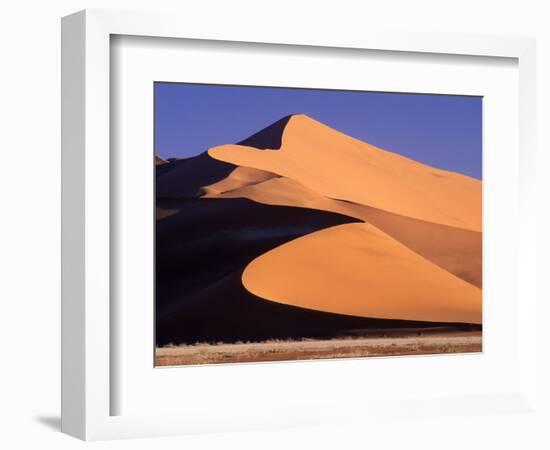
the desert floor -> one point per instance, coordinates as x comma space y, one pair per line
378, 344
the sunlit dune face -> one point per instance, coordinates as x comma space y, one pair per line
453, 249
358, 270
340, 167
240, 177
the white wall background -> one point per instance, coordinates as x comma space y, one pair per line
30, 191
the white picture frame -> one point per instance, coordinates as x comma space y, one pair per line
87, 357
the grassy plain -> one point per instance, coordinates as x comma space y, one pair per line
416, 343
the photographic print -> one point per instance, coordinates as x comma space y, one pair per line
301, 224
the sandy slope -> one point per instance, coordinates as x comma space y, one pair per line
201, 253
456, 250
239, 178
358, 270
159, 161
341, 167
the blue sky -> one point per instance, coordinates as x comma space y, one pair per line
440, 130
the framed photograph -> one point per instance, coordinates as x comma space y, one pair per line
302, 241
268, 228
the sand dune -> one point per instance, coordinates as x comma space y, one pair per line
341, 167
159, 161
241, 177
455, 250
224, 311
302, 231
201, 252
269, 137
208, 239
358, 270
185, 178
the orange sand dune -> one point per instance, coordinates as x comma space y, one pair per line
358, 270
240, 177
278, 213
456, 250
341, 167
286, 192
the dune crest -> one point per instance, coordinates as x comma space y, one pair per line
341, 167
241, 177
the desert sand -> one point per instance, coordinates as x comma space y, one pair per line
358, 270
340, 167
454, 249
241, 177
301, 231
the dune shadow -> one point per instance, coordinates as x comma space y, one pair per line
184, 178
210, 238
269, 138
226, 312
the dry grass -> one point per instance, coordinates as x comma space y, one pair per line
277, 350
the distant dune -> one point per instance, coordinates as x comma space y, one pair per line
159, 161
302, 231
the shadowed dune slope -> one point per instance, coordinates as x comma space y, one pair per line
184, 178
201, 252
270, 137
358, 270
192, 177
338, 166
456, 250
208, 239
225, 311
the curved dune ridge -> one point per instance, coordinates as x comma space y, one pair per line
338, 166
358, 270
327, 234
241, 177
455, 250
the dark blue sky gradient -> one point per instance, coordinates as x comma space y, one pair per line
440, 130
